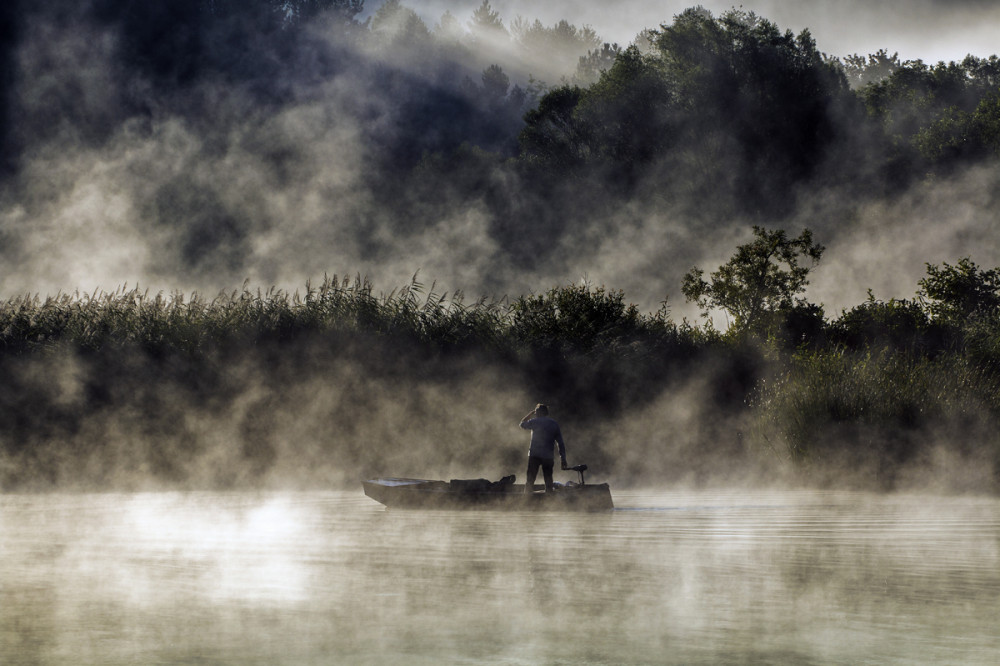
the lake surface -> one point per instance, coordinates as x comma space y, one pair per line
333, 577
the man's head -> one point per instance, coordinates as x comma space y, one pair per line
541, 410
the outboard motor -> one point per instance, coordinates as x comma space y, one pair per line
578, 468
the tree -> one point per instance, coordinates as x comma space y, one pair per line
937, 117
957, 294
400, 25
876, 67
730, 112
632, 112
590, 67
182, 41
578, 317
740, 77
486, 23
986, 123
618, 125
495, 83
957, 136
557, 47
306, 9
917, 94
448, 28
551, 137
893, 324
761, 280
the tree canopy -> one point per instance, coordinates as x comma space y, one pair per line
730, 105
762, 279
956, 294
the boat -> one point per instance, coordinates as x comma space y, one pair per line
403, 493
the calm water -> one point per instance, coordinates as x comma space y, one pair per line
330, 578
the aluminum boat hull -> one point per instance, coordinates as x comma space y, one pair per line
430, 494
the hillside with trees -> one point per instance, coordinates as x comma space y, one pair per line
219, 131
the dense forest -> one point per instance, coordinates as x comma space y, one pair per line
223, 129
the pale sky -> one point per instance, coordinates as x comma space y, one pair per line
930, 30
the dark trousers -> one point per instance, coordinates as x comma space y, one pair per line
534, 462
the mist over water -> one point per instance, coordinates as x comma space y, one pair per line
331, 577
372, 150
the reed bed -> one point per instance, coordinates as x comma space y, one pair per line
133, 316
575, 319
881, 407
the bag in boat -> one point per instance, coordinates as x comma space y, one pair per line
481, 485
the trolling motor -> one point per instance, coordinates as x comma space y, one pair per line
580, 469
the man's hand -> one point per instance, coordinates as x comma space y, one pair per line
564, 466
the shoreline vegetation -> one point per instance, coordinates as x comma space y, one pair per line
887, 395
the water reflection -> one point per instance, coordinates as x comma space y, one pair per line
233, 578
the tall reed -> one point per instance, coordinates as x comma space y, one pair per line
880, 406
577, 318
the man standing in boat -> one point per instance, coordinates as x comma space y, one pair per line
545, 434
